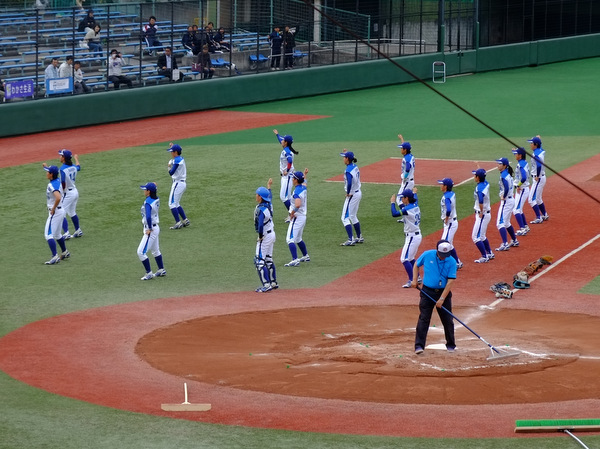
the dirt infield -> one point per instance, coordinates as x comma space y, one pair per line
339, 358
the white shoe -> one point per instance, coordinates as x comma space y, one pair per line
481, 260
514, 243
348, 243
545, 217
186, 222
503, 247
78, 233
537, 221
459, 265
305, 258
177, 225
526, 230
491, 256
293, 263
407, 285
359, 239
66, 235
65, 254
54, 260
287, 219
160, 272
148, 276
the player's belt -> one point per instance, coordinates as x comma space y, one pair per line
410, 234
59, 207
181, 180
356, 191
268, 232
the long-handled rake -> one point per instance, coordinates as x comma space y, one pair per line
496, 353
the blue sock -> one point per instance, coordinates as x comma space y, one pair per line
65, 225
146, 263
409, 269
61, 243
453, 254
52, 245
159, 261
293, 250
481, 248
523, 220
357, 229
511, 232
349, 231
543, 209
175, 213
287, 204
302, 247
536, 209
181, 212
486, 244
75, 220
503, 235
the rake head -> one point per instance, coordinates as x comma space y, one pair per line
500, 354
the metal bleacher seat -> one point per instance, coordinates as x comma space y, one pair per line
257, 61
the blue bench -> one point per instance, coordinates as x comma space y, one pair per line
157, 78
8, 38
10, 60
299, 56
250, 45
21, 67
256, 61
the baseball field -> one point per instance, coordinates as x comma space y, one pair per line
88, 352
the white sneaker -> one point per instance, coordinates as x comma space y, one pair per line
177, 225
503, 247
491, 256
526, 230
481, 260
514, 243
305, 258
459, 265
66, 235
65, 254
348, 243
359, 239
186, 222
148, 276
407, 285
537, 221
160, 272
78, 233
293, 263
545, 217
55, 259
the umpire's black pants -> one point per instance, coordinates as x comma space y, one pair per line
426, 306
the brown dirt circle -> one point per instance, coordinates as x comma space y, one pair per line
365, 353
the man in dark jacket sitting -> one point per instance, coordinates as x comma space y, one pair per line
167, 62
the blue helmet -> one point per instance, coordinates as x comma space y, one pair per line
264, 193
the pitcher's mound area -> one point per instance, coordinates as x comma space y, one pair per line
367, 354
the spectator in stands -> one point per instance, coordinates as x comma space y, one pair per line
51, 71
167, 62
92, 39
2, 91
199, 39
66, 68
150, 30
220, 41
79, 85
88, 22
205, 64
275, 40
79, 3
210, 37
115, 70
289, 42
189, 40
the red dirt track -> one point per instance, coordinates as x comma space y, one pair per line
103, 355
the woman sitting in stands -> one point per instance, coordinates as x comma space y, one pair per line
92, 39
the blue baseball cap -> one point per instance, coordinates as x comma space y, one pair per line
348, 154
175, 147
520, 151
502, 161
52, 169
446, 181
264, 193
405, 145
535, 140
299, 176
480, 172
288, 138
65, 153
150, 186
407, 193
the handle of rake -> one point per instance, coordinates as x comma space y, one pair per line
461, 322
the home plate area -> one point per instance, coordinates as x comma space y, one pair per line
362, 353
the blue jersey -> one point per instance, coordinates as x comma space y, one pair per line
68, 174
351, 179
506, 185
537, 164
53, 186
301, 193
448, 205
263, 218
178, 171
522, 174
408, 167
150, 212
286, 159
482, 196
411, 216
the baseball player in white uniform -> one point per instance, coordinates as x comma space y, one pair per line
507, 204
56, 214
352, 201
482, 216
263, 225
521, 182
286, 169
538, 175
149, 241
408, 169
68, 174
449, 216
178, 173
412, 218
298, 211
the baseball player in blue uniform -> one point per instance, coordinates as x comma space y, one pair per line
149, 241
68, 174
178, 173
298, 211
482, 216
538, 175
408, 169
449, 216
507, 204
286, 169
412, 218
352, 201
263, 224
56, 214
521, 182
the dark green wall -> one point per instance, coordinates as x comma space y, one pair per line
67, 112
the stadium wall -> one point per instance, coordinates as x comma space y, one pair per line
82, 110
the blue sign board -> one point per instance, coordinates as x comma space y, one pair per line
19, 89
59, 85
